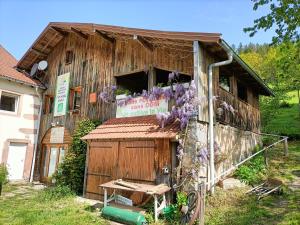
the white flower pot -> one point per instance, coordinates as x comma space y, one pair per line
119, 97
185, 85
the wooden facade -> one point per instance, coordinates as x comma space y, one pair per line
135, 160
96, 55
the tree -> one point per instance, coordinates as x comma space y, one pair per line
284, 15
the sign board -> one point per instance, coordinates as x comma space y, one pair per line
57, 135
140, 106
62, 94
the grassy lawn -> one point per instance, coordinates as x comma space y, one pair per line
286, 122
234, 207
34, 207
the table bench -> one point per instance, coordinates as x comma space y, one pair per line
153, 190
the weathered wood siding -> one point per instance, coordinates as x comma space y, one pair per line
139, 161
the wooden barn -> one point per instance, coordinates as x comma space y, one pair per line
85, 58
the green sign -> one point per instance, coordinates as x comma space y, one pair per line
62, 94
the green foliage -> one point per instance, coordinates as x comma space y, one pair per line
3, 174
56, 192
283, 14
285, 122
121, 91
71, 172
149, 216
251, 172
279, 67
284, 104
181, 198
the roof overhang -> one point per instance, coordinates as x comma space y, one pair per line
38, 85
56, 31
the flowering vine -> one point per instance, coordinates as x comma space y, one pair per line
185, 107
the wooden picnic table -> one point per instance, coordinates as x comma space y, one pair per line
153, 190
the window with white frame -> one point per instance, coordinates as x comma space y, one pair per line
9, 102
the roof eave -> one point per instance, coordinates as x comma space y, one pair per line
22, 82
249, 70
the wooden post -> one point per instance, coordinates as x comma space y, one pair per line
286, 147
151, 77
86, 169
266, 157
200, 79
202, 190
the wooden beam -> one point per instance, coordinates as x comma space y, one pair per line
105, 36
38, 52
60, 31
200, 79
79, 33
144, 42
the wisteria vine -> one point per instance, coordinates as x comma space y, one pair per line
185, 107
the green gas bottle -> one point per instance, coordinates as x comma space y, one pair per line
123, 216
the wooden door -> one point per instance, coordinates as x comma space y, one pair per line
52, 156
136, 161
102, 164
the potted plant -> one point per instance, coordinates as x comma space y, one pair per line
3, 176
121, 93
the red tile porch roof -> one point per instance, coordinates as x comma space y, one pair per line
141, 127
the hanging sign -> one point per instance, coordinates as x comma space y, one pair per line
62, 94
140, 106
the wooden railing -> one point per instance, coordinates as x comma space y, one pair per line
245, 116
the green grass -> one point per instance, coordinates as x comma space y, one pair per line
34, 209
286, 122
234, 207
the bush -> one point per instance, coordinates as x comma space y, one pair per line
3, 174
71, 172
252, 172
284, 104
56, 192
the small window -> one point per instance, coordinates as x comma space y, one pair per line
9, 102
224, 82
48, 104
242, 92
69, 57
75, 98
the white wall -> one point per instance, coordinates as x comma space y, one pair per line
10, 124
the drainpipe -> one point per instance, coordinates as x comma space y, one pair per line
211, 112
37, 134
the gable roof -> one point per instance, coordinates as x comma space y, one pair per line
8, 71
139, 127
212, 42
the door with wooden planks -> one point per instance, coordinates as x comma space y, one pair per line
136, 161
102, 163
128, 160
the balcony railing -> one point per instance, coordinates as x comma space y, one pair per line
245, 116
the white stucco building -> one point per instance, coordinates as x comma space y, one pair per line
19, 116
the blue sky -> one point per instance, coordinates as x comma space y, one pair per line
21, 21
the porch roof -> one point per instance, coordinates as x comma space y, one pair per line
141, 127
